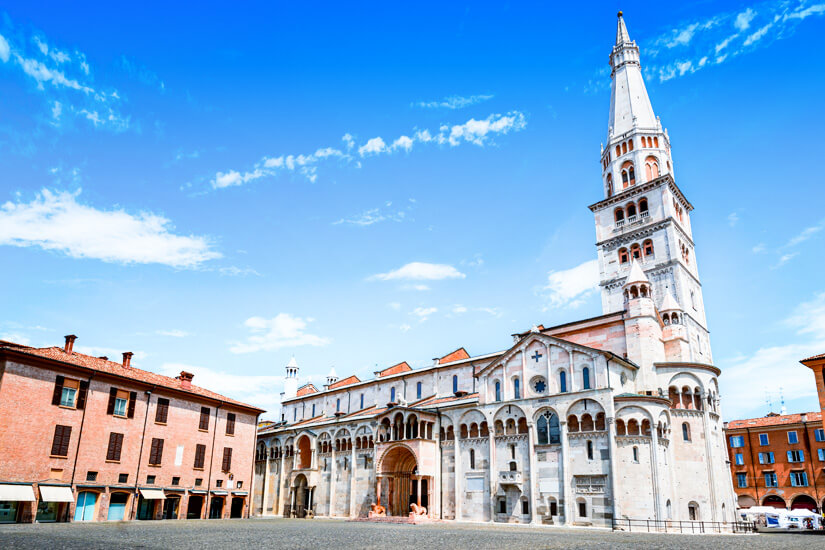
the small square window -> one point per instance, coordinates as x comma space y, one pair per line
792, 438
176, 480
219, 483
91, 476
123, 478
198, 481
68, 396
150, 480
121, 402
239, 485
819, 434
56, 473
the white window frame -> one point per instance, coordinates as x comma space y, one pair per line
766, 440
795, 438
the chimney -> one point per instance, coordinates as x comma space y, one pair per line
803, 417
104, 357
69, 343
127, 359
186, 379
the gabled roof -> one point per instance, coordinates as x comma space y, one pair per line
98, 364
395, 369
456, 355
345, 382
774, 420
306, 389
540, 336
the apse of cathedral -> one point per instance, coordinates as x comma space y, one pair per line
616, 416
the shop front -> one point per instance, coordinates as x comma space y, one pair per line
16, 503
54, 503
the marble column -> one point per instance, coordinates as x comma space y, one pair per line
534, 474
566, 462
491, 467
458, 471
266, 484
352, 469
332, 469
611, 442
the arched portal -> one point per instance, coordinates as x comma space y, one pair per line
774, 501
301, 497
803, 502
398, 484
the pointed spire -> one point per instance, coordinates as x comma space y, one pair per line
636, 274
292, 363
670, 304
621, 31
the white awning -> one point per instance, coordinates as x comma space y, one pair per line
220, 493
50, 493
152, 494
16, 492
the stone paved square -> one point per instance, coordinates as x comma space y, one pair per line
334, 534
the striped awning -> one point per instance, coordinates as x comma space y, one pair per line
20, 493
152, 494
50, 493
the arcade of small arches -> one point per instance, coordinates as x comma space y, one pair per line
628, 212
403, 427
639, 290
636, 251
687, 399
628, 173
670, 318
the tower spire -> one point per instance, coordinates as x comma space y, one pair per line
621, 31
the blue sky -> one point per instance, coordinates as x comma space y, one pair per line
219, 189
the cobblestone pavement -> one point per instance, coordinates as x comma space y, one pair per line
332, 535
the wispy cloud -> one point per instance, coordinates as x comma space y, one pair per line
378, 215
695, 45
282, 331
420, 271
423, 313
786, 252
806, 234
174, 333
571, 287
733, 219
454, 102
64, 79
476, 132
55, 220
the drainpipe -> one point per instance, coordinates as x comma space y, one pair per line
211, 458
79, 439
811, 459
440, 470
140, 453
252, 474
753, 465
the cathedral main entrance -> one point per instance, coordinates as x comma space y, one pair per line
398, 485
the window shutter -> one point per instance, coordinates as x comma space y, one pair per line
159, 451
162, 411
110, 452
132, 402
200, 456
81, 395
227, 459
58, 390
118, 447
112, 396
230, 424
204, 422
60, 443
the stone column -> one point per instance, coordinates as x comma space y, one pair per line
266, 484
352, 470
611, 442
332, 469
566, 462
571, 377
418, 492
534, 516
709, 460
378, 489
279, 498
654, 462
492, 470
458, 473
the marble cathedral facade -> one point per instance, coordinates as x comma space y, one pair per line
616, 416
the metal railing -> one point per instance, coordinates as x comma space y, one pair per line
673, 526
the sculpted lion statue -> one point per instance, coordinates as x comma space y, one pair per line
378, 510
418, 510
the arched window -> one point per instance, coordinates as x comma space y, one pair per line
498, 390
609, 185
418, 390
472, 459
651, 168
337, 405
313, 410
392, 395
632, 175
648, 248
685, 431
656, 142
455, 383
618, 215
563, 382
631, 210
548, 429
636, 251
635, 454
516, 389
586, 378
630, 144
623, 256
669, 508
589, 450
624, 147
618, 150
642, 206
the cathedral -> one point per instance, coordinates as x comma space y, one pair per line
616, 416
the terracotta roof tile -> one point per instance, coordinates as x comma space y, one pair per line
395, 369
814, 358
438, 401
456, 355
306, 389
345, 382
776, 420
116, 369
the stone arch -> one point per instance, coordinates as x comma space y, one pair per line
803, 502
745, 501
774, 501
304, 445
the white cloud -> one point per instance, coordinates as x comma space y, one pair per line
54, 220
721, 37
260, 390
420, 271
378, 215
733, 218
454, 102
571, 287
394, 305
16, 337
477, 132
281, 331
758, 249
459, 309
404, 328
423, 313
494, 311
4, 49
746, 379
174, 333
806, 234
418, 287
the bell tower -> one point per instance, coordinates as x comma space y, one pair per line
644, 216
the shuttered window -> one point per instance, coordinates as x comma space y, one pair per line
60, 443
162, 411
58, 390
115, 447
204, 423
227, 459
200, 456
156, 452
230, 423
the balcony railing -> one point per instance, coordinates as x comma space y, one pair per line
509, 477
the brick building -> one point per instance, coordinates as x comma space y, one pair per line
779, 460
88, 439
